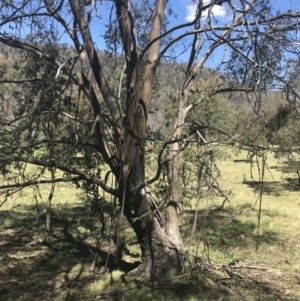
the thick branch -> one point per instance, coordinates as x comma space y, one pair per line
135, 123
113, 103
38, 182
152, 57
83, 175
195, 42
57, 16
100, 132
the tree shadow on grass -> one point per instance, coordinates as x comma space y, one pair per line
189, 288
33, 269
241, 161
291, 184
221, 237
287, 166
274, 188
223, 231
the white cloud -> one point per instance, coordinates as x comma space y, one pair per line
190, 13
217, 11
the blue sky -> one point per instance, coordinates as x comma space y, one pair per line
184, 8
185, 11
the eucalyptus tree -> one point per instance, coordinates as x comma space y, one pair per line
107, 122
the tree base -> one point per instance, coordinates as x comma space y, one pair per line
163, 260
162, 268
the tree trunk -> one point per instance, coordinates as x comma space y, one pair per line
162, 250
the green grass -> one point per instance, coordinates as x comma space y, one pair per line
31, 269
232, 233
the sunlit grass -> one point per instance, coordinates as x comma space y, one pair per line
231, 235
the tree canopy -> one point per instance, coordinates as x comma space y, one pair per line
89, 79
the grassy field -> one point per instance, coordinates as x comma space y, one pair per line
231, 258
